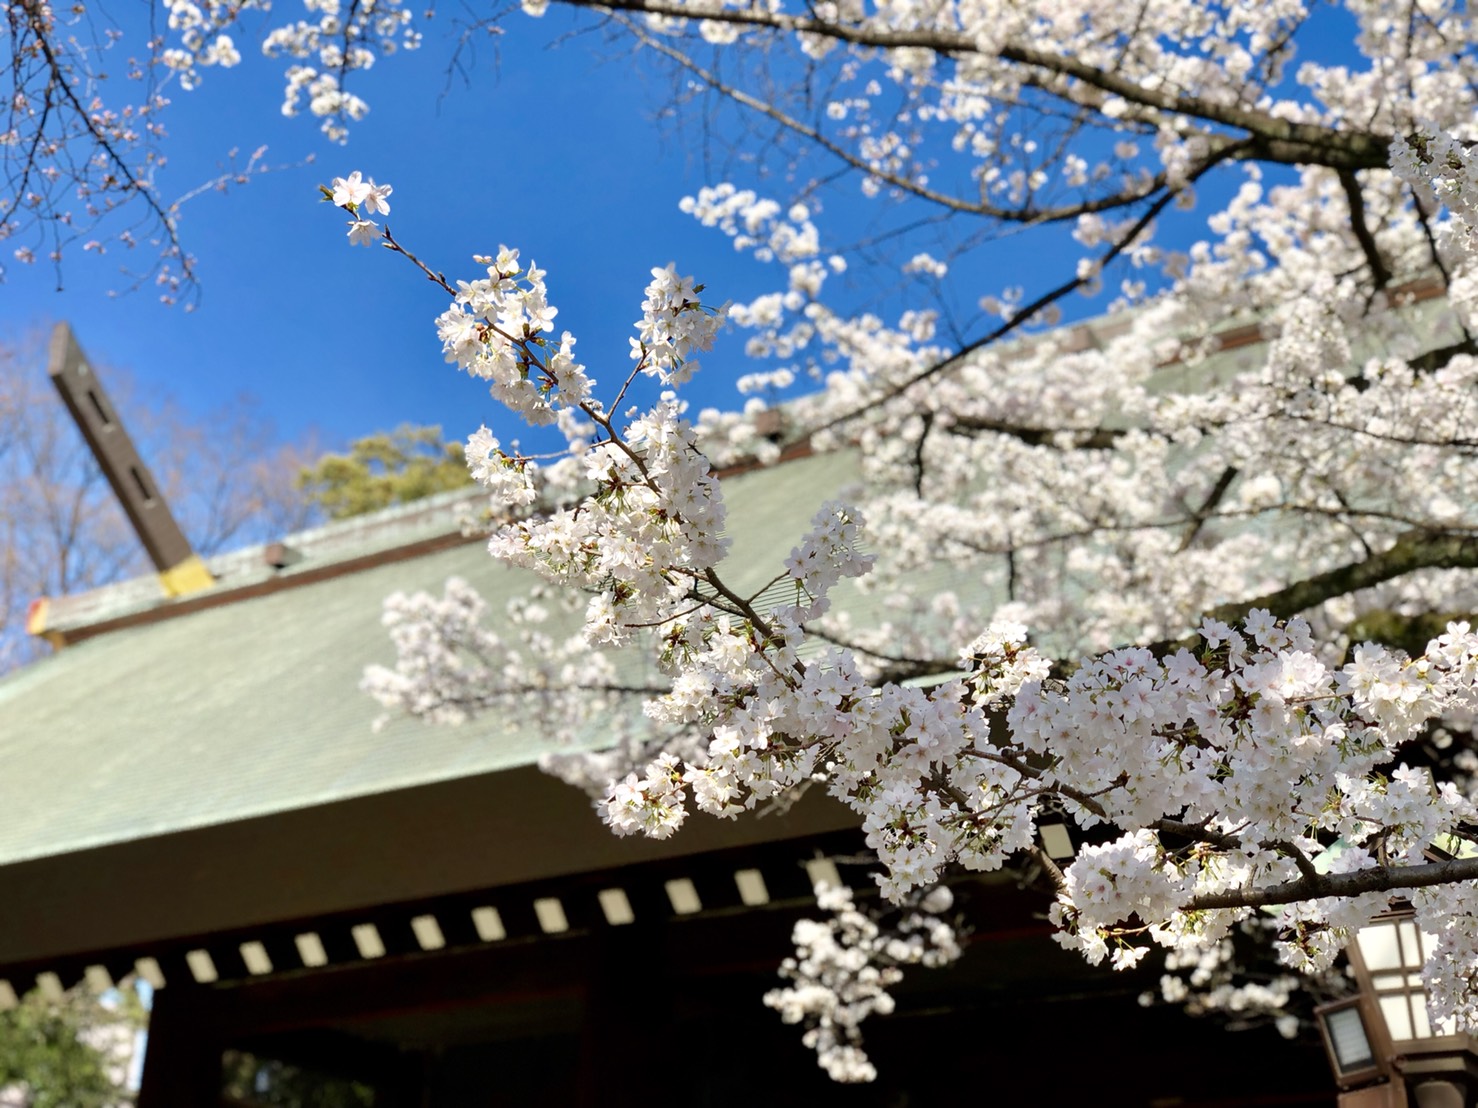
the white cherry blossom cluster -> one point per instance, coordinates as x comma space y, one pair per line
433, 638
796, 323
770, 232
326, 98
1102, 490
651, 804
828, 553
337, 39
1000, 662
360, 198
1189, 741
508, 477
843, 968
756, 223
643, 541
452, 667
1441, 169
674, 325
1215, 980
1450, 975
487, 332
202, 37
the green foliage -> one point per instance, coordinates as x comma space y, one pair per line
56, 1051
1410, 633
385, 468
266, 1083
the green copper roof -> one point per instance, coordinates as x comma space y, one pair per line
253, 707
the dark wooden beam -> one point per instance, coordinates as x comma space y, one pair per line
182, 1064
351, 856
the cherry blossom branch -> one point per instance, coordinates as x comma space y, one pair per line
1411, 552
1067, 438
1227, 764
63, 82
1276, 139
1315, 886
1209, 505
1029, 312
1027, 214
394, 245
740, 603
1049, 867
1379, 273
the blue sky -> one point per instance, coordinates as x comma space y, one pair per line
550, 148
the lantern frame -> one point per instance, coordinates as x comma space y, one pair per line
1352, 1072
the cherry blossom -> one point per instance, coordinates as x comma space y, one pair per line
1196, 576
1227, 761
1120, 574
844, 965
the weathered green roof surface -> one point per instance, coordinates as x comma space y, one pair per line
204, 764
253, 707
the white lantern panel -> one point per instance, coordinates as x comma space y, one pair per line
1422, 1026
1397, 1014
1378, 946
1347, 1036
1411, 951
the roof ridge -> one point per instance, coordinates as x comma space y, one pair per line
361, 542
